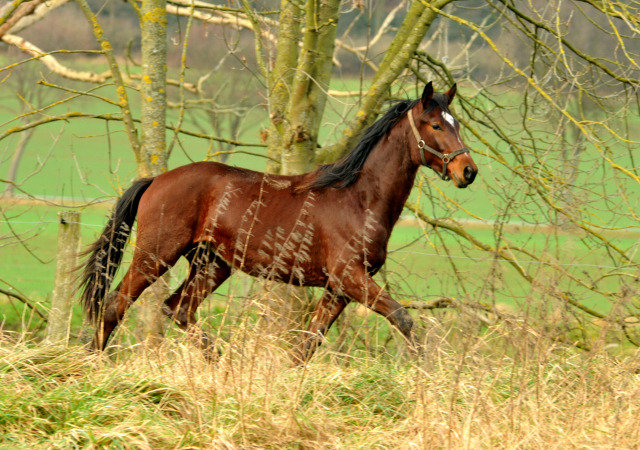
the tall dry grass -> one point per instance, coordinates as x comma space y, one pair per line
508, 387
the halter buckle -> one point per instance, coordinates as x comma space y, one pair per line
445, 159
421, 144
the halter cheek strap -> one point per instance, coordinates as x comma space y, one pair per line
446, 158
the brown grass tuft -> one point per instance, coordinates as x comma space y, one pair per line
509, 388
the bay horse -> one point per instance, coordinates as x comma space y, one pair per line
327, 228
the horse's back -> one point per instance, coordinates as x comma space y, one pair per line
186, 193
252, 219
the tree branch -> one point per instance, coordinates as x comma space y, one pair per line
584, 56
225, 19
24, 10
25, 301
41, 10
79, 115
457, 229
8, 9
626, 12
51, 62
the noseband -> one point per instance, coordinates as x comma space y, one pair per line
446, 159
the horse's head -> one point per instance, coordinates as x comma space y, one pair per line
437, 134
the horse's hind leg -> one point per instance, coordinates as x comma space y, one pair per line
325, 313
206, 272
144, 270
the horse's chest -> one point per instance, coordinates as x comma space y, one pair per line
367, 247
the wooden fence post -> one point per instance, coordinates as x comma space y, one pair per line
59, 321
150, 328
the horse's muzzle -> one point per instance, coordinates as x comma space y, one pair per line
468, 175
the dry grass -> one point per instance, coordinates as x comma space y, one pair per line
509, 388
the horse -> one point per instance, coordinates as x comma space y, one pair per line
326, 228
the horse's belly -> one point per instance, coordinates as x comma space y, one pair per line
298, 268
294, 260
269, 237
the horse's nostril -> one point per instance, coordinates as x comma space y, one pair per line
469, 173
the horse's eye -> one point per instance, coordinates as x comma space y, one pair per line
435, 126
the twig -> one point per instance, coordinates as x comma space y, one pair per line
123, 100
183, 69
25, 301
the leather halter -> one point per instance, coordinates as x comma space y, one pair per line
422, 145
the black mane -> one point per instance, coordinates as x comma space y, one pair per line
346, 171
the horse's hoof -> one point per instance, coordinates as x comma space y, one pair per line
212, 355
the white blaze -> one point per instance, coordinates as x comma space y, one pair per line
449, 118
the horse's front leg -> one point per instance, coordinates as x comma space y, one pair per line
365, 290
325, 313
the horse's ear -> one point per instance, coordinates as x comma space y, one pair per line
427, 94
451, 93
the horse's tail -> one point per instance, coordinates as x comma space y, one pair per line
105, 255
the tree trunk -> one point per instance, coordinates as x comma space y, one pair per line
310, 84
298, 85
153, 23
281, 79
153, 88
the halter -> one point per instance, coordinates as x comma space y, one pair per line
446, 159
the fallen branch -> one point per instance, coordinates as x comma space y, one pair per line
447, 302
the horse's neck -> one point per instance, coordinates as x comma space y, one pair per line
389, 174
